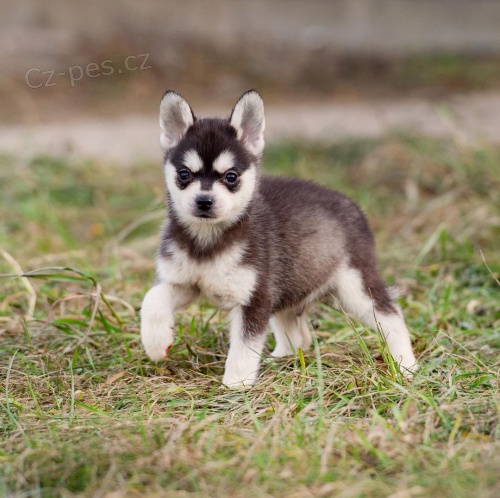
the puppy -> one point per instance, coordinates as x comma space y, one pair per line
263, 248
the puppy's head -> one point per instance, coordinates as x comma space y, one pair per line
211, 164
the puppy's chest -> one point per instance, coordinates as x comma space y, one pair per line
223, 279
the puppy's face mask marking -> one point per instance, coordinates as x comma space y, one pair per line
211, 164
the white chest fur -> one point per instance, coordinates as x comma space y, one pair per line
223, 279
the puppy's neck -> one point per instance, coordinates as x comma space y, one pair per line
206, 235
203, 241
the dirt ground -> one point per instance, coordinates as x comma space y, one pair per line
468, 118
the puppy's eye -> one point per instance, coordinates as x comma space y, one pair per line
231, 177
184, 175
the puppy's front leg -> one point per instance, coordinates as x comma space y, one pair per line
245, 350
157, 317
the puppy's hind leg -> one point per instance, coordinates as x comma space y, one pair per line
304, 332
290, 332
378, 312
286, 333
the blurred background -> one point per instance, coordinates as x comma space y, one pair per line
328, 69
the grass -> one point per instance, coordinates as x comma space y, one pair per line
85, 413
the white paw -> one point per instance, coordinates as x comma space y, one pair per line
239, 379
406, 361
282, 350
238, 384
306, 337
410, 370
157, 337
157, 324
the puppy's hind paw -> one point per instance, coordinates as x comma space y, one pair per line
409, 372
282, 350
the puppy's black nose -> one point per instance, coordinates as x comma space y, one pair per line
204, 202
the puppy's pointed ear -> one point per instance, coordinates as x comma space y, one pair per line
249, 122
175, 118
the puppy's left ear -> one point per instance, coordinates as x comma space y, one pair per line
247, 118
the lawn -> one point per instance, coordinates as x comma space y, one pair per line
83, 412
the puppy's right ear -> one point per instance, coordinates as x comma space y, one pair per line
175, 118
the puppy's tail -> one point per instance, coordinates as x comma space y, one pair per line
394, 291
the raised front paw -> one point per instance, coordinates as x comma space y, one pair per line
157, 325
157, 338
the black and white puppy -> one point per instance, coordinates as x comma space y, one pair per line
265, 249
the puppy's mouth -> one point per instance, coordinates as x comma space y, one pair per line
205, 216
